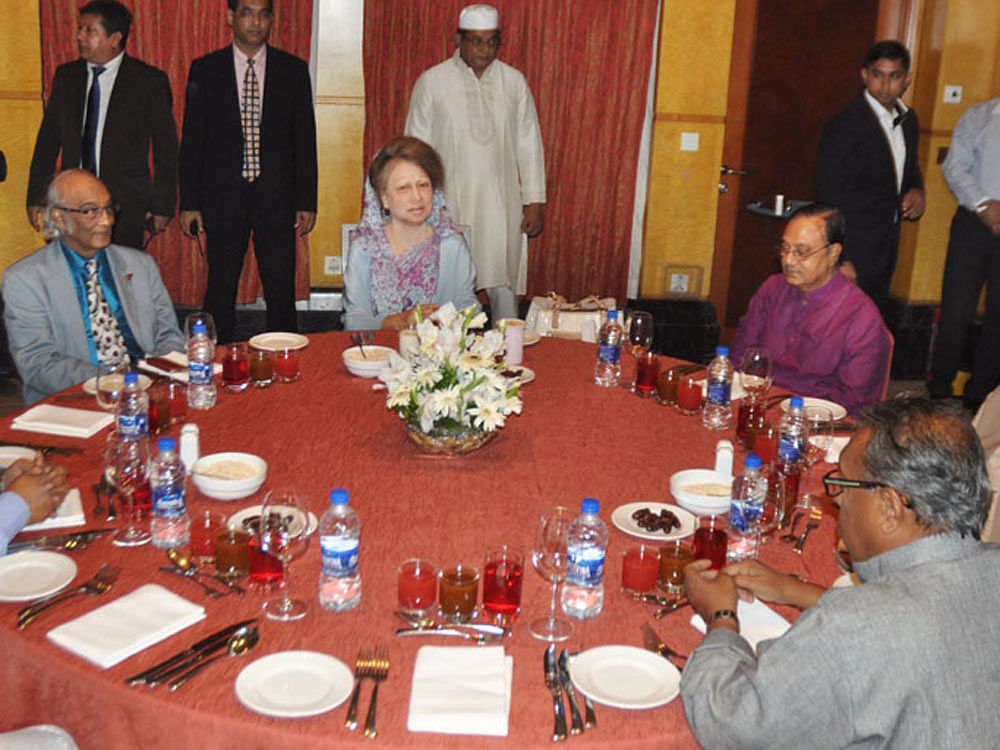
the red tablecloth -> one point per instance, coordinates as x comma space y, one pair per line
328, 430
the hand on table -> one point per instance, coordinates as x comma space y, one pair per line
754, 579
912, 204
407, 318
709, 591
42, 486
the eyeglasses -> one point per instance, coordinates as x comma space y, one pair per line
91, 213
797, 251
492, 42
835, 485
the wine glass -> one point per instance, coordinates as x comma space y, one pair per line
774, 510
819, 438
638, 338
108, 383
128, 469
549, 558
200, 316
282, 529
755, 373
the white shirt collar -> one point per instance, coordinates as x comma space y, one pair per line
897, 109
112, 65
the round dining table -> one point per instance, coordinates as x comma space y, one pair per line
329, 429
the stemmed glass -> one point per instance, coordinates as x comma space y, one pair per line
549, 558
200, 316
638, 338
284, 522
774, 510
128, 468
819, 438
755, 377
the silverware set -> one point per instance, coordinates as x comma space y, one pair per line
479, 632
76, 540
815, 516
558, 681
373, 664
101, 583
236, 636
658, 646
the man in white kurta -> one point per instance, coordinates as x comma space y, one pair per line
479, 114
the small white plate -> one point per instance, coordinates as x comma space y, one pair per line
33, 574
531, 337
621, 517
236, 520
276, 341
291, 684
522, 374
11, 453
116, 382
837, 411
625, 677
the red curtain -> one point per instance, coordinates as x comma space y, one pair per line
587, 63
170, 34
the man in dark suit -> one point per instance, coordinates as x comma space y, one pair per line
104, 113
248, 164
867, 167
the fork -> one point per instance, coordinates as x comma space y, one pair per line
790, 536
362, 669
380, 670
815, 516
109, 490
99, 494
99, 584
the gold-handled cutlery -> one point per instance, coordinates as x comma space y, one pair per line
656, 644
790, 536
238, 644
379, 671
362, 669
184, 563
576, 723
182, 660
552, 683
815, 516
101, 583
678, 604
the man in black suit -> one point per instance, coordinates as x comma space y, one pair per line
104, 113
248, 164
867, 167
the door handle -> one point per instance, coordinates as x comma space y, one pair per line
729, 170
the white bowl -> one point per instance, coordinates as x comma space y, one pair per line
368, 365
700, 505
228, 489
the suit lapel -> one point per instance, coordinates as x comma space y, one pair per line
119, 95
66, 310
879, 136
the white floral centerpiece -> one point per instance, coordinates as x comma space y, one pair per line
452, 393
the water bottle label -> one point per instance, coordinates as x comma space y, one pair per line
789, 449
585, 565
340, 556
133, 425
199, 373
168, 501
609, 353
718, 393
743, 515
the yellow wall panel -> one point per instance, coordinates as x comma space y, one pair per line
19, 40
20, 124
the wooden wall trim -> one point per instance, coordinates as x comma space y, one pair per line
689, 117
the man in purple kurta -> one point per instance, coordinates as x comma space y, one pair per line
824, 335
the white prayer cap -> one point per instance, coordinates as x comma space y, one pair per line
479, 18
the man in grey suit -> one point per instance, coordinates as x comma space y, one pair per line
80, 300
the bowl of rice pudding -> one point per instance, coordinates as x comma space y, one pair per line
702, 491
229, 476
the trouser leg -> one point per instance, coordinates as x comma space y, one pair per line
986, 361
503, 302
274, 248
226, 245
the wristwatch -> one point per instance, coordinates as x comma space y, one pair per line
721, 613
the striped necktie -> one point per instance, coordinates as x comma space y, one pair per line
88, 146
250, 120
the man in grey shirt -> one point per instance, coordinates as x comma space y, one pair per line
910, 658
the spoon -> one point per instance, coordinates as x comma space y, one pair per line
237, 645
187, 567
426, 623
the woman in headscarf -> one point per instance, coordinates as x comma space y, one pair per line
406, 252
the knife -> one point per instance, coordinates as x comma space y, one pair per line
682, 602
552, 682
440, 630
60, 541
205, 645
59, 450
655, 644
567, 684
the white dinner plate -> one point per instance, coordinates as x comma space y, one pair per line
836, 410
114, 383
11, 453
278, 340
625, 677
33, 574
236, 520
531, 336
621, 517
291, 684
522, 374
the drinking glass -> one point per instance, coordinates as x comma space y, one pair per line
108, 382
261, 367
638, 338
503, 575
674, 555
647, 370
755, 373
200, 316
549, 558
235, 367
640, 568
819, 438
711, 541
159, 407
204, 528
128, 468
283, 523
775, 509
458, 591
416, 586
689, 395
286, 365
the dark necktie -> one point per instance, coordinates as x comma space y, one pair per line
250, 120
89, 145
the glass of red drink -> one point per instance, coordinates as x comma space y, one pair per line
286, 365
416, 585
640, 568
204, 526
178, 400
765, 444
689, 396
502, 578
711, 541
159, 407
750, 419
261, 368
647, 371
235, 368
673, 557
458, 590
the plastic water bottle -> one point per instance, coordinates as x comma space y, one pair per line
745, 510
586, 548
792, 433
717, 413
339, 541
201, 391
132, 409
609, 349
170, 525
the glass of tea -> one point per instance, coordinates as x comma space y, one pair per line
502, 577
261, 367
674, 556
458, 591
231, 552
666, 387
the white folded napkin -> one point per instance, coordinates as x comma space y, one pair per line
461, 690
69, 513
838, 444
179, 358
758, 622
127, 625
62, 420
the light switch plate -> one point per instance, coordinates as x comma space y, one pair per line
952, 94
689, 141
331, 265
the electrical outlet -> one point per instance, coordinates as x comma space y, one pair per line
331, 265
952, 95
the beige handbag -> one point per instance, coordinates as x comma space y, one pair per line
552, 315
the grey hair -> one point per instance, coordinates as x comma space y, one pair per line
928, 451
53, 197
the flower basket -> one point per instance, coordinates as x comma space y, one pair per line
452, 441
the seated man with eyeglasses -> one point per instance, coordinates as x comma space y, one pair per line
824, 335
81, 301
907, 658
